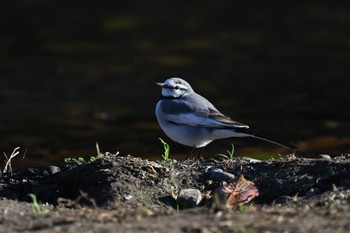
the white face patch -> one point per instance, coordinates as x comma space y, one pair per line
171, 92
173, 89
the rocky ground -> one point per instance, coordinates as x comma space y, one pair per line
128, 194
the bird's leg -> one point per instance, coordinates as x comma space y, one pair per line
189, 155
200, 152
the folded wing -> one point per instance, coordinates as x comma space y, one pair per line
208, 119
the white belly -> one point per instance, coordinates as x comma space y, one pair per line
190, 135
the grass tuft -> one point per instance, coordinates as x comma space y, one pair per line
82, 160
229, 155
166, 154
38, 207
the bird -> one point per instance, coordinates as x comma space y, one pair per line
191, 120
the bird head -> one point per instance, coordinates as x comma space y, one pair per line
175, 87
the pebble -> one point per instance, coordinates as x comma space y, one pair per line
128, 197
312, 192
189, 198
326, 157
218, 175
54, 169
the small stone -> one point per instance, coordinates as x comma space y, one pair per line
218, 175
326, 157
54, 169
128, 197
189, 198
312, 192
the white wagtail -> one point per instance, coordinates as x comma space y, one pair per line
190, 119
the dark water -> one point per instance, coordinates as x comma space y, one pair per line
73, 73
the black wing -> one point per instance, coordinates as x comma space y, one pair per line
218, 116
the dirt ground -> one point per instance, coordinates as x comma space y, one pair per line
128, 194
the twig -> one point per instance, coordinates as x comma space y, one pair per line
15, 152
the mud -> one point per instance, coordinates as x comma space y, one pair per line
128, 194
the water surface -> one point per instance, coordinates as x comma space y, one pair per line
76, 73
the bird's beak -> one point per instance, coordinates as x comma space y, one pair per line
160, 84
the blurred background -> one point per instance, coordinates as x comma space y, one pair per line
73, 73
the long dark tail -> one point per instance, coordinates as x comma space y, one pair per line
268, 139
